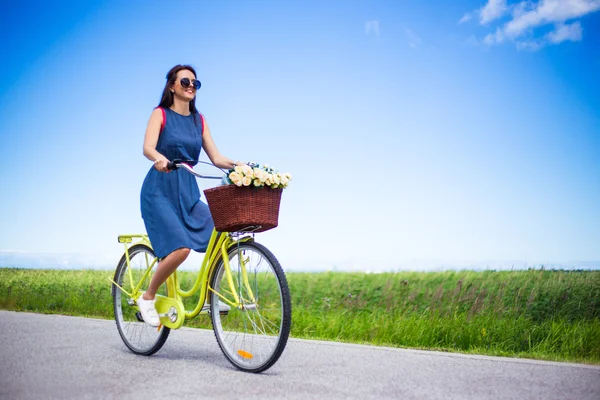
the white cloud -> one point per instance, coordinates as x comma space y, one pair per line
413, 40
372, 27
471, 41
465, 18
530, 45
548, 12
526, 16
521, 8
565, 32
493, 38
493, 10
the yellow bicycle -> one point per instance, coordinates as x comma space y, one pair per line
241, 286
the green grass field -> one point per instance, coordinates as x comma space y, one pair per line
550, 315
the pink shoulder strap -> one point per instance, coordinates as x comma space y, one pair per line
164, 121
201, 123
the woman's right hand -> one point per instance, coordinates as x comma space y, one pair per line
161, 164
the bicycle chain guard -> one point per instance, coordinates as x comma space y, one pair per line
164, 307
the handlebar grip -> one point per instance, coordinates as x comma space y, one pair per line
171, 165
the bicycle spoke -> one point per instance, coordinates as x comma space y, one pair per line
138, 336
274, 326
253, 335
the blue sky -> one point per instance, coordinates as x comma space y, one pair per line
419, 134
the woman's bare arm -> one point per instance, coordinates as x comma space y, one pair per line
151, 139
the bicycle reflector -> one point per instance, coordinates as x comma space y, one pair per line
245, 354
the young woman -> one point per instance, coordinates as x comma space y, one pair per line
175, 218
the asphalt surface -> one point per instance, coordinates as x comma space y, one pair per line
59, 357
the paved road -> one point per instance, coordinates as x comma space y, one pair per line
58, 357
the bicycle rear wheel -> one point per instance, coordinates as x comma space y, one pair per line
253, 335
138, 336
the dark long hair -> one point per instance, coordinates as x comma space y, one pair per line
166, 100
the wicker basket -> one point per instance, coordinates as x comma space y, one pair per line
236, 208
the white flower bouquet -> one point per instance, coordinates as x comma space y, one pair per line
241, 205
256, 175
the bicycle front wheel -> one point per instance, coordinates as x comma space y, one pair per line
254, 334
138, 336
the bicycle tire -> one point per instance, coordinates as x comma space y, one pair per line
265, 325
127, 318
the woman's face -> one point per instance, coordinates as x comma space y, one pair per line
185, 93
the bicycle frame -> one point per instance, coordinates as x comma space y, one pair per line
171, 308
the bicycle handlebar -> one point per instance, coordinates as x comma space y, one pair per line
175, 164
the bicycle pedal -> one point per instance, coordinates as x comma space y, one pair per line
138, 315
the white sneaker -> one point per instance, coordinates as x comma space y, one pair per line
148, 311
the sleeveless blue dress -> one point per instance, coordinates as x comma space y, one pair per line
171, 208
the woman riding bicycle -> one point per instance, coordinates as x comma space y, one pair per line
175, 218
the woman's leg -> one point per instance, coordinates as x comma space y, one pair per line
165, 268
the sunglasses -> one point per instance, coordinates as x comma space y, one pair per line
185, 82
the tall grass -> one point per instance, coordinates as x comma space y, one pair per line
553, 315
546, 314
